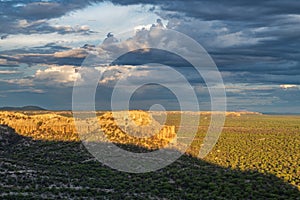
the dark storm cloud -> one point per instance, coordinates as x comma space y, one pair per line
275, 22
204, 9
237, 10
269, 50
35, 13
47, 55
152, 56
36, 10
41, 27
47, 59
49, 48
249, 13
261, 78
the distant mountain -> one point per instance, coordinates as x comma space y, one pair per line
25, 108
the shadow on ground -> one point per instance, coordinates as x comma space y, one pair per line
65, 170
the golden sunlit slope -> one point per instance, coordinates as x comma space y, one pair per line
52, 126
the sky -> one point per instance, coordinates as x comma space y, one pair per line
254, 44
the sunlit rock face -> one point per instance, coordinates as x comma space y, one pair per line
41, 126
125, 127
136, 127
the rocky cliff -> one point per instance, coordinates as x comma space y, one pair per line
137, 128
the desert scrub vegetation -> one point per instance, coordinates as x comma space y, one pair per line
256, 157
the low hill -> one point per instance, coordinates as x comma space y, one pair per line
24, 108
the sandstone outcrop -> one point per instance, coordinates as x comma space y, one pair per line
133, 127
136, 127
41, 127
